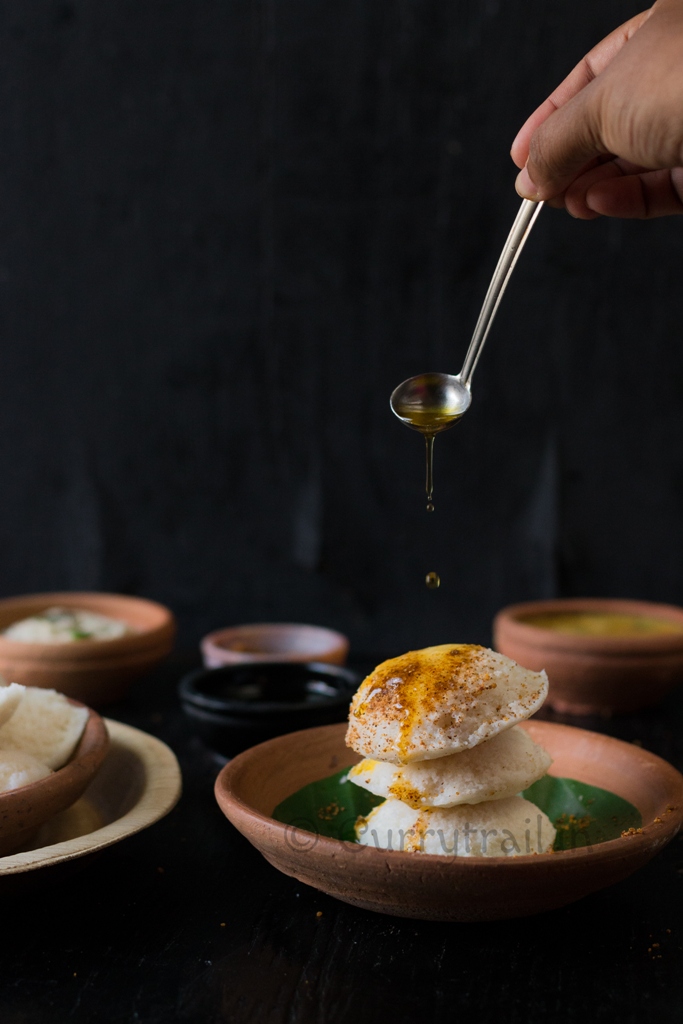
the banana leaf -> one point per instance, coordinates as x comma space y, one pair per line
583, 815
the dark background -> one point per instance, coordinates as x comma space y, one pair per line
229, 229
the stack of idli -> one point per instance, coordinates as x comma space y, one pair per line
39, 731
439, 734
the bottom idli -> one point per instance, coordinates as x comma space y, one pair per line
498, 828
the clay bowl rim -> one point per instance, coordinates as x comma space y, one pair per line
75, 775
159, 635
213, 646
198, 701
648, 644
654, 834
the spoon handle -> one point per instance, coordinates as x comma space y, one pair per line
524, 221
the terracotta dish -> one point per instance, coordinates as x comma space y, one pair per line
595, 674
273, 641
138, 783
450, 888
92, 671
24, 810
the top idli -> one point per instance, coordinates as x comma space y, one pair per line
440, 700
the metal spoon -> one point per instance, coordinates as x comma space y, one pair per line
432, 402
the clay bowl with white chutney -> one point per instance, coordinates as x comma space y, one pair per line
441, 888
602, 655
24, 810
95, 672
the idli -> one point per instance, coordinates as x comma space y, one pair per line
493, 770
499, 828
10, 695
44, 724
17, 768
440, 700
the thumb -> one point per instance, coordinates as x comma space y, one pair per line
563, 146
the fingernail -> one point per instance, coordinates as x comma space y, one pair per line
525, 186
589, 204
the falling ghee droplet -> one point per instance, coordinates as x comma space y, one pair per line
432, 580
429, 441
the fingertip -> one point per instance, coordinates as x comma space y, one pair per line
525, 187
516, 161
577, 207
593, 201
585, 214
518, 152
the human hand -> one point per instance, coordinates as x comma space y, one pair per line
609, 140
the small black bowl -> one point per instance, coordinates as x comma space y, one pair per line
238, 706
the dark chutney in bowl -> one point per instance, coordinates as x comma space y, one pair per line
237, 706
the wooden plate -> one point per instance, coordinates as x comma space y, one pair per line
451, 888
138, 783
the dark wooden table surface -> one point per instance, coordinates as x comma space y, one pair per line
186, 922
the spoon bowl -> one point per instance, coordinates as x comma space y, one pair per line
431, 402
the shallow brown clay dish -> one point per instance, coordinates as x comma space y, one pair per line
450, 888
274, 641
93, 671
24, 810
595, 674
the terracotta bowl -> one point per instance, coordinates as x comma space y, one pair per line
24, 810
92, 671
450, 888
273, 641
595, 674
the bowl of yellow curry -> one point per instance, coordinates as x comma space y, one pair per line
602, 655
